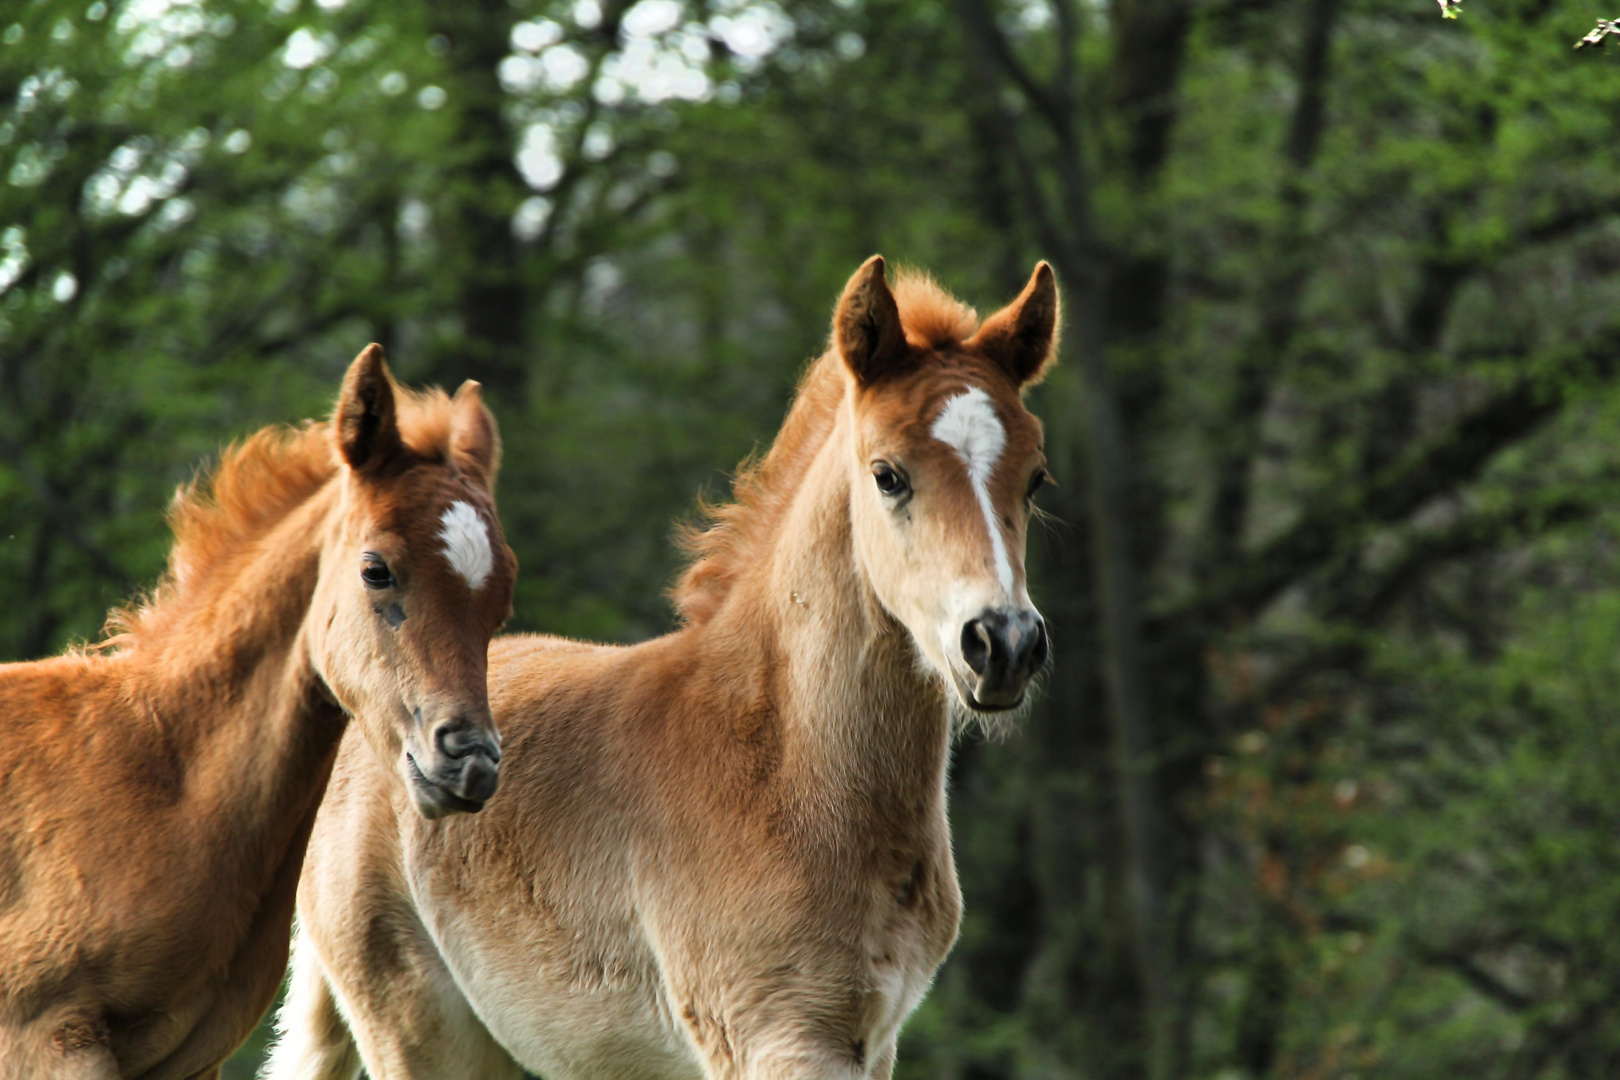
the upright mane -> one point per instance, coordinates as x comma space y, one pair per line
259, 481
762, 488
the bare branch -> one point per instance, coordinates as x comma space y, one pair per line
1468, 968
1471, 535
1340, 518
1240, 429
1374, 594
981, 24
984, 40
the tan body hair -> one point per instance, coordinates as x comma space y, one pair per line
724, 852
157, 791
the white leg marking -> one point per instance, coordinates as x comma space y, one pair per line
969, 425
466, 543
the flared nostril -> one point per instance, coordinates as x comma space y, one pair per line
1024, 640
1038, 650
459, 738
976, 646
479, 777
1004, 648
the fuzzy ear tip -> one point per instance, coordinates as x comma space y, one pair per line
470, 388
369, 367
875, 266
1043, 281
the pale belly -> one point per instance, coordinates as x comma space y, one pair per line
569, 983
596, 1021
562, 1014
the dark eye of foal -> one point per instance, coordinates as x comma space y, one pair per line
375, 573
1038, 481
888, 479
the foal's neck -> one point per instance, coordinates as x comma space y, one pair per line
229, 681
856, 706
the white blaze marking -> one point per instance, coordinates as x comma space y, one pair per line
968, 424
466, 543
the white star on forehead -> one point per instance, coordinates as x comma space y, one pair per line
969, 425
466, 543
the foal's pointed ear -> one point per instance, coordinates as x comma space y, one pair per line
475, 441
1022, 336
867, 326
366, 423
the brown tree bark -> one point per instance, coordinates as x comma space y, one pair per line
482, 194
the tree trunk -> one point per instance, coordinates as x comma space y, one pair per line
481, 197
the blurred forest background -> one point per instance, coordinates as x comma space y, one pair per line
1326, 782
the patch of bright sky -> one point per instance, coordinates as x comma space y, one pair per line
135, 177
662, 56
557, 70
51, 83
752, 31
13, 256
651, 18
535, 34
1032, 15
160, 28
598, 142
414, 219
531, 217
305, 48
588, 14
537, 157
65, 287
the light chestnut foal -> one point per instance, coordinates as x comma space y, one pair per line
156, 793
724, 852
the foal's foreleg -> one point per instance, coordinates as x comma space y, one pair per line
382, 975
407, 1015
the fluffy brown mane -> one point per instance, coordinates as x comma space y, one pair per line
259, 481
763, 487
932, 317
